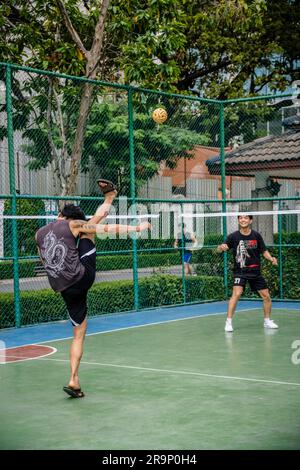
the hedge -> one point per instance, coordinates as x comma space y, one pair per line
103, 263
110, 297
26, 228
26, 268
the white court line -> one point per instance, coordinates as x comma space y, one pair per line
182, 372
143, 325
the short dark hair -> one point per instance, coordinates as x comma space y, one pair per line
250, 216
70, 211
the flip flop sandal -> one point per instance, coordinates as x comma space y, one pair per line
108, 188
73, 392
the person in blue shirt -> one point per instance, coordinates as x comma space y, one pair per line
187, 241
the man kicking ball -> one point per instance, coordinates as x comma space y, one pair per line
67, 250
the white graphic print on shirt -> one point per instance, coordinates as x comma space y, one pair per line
54, 251
242, 254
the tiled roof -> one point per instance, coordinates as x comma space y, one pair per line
284, 148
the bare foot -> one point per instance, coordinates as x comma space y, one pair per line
74, 384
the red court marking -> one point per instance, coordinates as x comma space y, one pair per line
24, 353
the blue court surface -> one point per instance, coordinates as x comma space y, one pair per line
63, 329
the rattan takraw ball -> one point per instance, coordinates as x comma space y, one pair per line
159, 115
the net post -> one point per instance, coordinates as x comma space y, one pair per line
223, 185
280, 252
133, 196
12, 187
182, 256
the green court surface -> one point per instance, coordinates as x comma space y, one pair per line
176, 385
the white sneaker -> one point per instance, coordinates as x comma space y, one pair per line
270, 324
228, 327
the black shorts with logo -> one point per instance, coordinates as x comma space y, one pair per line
256, 283
75, 296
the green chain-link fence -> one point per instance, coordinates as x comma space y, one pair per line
58, 134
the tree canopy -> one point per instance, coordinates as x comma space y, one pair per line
218, 49
223, 49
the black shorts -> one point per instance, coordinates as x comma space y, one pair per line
256, 283
75, 296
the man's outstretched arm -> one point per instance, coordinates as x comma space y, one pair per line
117, 228
78, 227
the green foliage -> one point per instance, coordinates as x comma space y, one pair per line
149, 36
219, 49
107, 143
206, 256
160, 290
7, 310
248, 120
106, 139
26, 269
291, 274
109, 297
204, 287
223, 49
213, 239
26, 228
288, 238
103, 263
33, 33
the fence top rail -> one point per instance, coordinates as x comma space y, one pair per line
62, 75
257, 98
143, 90
178, 95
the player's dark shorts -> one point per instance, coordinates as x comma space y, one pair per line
256, 283
75, 296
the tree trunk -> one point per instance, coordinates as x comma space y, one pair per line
93, 58
79, 139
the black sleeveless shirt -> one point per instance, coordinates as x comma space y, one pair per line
59, 254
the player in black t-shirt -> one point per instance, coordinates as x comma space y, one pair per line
247, 246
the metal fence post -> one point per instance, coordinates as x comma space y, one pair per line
182, 257
280, 252
223, 182
12, 187
133, 196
